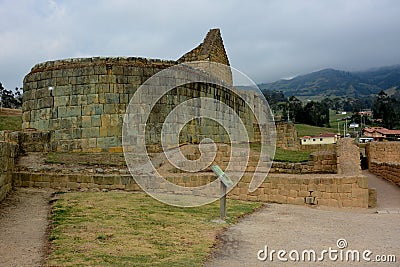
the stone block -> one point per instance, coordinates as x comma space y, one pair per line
359, 193
101, 143
372, 198
329, 202
86, 121
293, 193
86, 133
278, 199
94, 109
111, 108
362, 182
344, 188
92, 99
95, 120
295, 200
333, 188
111, 98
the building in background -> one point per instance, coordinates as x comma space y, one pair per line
381, 134
323, 138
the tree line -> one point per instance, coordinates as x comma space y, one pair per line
10, 99
313, 112
385, 109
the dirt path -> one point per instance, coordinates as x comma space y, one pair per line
388, 193
289, 227
23, 224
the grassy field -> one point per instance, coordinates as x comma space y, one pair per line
305, 129
10, 119
334, 119
283, 155
133, 229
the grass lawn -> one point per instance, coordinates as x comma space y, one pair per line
284, 155
304, 129
10, 119
10, 123
133, 229
334, 119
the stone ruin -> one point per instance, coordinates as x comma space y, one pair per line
82, 101
78, 105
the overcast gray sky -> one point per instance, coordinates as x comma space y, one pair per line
267, 40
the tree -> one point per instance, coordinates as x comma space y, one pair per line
295, 109
8, 99
385, 109
316, 113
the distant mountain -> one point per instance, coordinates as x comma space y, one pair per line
337, 83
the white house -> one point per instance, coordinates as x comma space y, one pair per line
354, 125
325, 138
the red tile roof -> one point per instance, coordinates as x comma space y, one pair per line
382, 130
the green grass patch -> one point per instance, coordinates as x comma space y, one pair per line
335, 119
284, 155
304, 129
133, 229
13, 123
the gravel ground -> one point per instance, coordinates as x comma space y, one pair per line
289, 227
23, 224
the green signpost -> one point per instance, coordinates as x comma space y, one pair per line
225, 182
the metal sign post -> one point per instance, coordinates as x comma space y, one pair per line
222, 202
225, 182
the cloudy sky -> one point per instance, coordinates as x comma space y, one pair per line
267, 40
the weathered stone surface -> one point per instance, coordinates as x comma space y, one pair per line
92, 94
348, 157
384, 160
8, 156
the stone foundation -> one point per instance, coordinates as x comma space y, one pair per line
28, 140
333, 191
384, 160
318, 147
287, 136
387, 170
328, 190
349, 189
8, 155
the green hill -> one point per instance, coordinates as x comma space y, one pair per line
337, 83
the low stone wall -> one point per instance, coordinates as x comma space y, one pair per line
318, 147
286, 134
383, 152
348, 157
320, 162
387, 170
384, 160
8, 154
328, 190
347, 189
71, 181
28, 141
